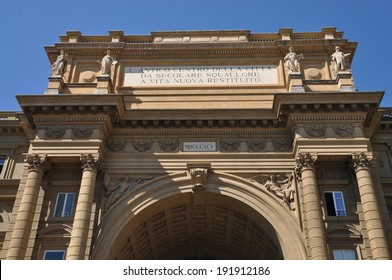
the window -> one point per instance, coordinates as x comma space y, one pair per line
344, 255
54, 254
335, 204
64, 205
2, 163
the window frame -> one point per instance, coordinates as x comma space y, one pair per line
343, 250
338, 212
55, 211
3, 166
52, 251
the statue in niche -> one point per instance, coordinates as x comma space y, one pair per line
281, 186
59, 67
339, 57
118, 187
292, 60
106, 63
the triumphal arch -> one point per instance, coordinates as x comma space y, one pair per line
199, 145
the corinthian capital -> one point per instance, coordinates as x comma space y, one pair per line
37, 163
305, 160
361, 160
90, 161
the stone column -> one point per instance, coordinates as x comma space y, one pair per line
79, 235
312, 204
370, 207
24, 220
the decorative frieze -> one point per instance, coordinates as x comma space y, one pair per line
172, 145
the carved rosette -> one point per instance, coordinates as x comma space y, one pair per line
282, 144
315, 130
230, 145
142, 145
115, 145
199, 178
305, 161
344, 130
91, 162
56, 132
37, 163
169, 145
361, 160
82, 132
256, 145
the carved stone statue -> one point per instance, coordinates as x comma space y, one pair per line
339, 58
106, 63
59, 67
281, 186
292, 60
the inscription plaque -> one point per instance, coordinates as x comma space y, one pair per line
201, 75
199, 147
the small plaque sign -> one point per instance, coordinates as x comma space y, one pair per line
199, 147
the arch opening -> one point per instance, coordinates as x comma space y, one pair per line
175, 228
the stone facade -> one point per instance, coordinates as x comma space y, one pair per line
198, 145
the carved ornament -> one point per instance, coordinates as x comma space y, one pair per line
344, 130
142, 145
282, 144
199, 174
82, 132
230, 145
118, 187
281, 186
169, 145
305, 161
37, 163
115, 145
315, 130
361, 160
256, 145
90, 161
56, 132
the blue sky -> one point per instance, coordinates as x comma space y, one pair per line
27, 26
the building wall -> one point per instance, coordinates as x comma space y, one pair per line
268, 161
